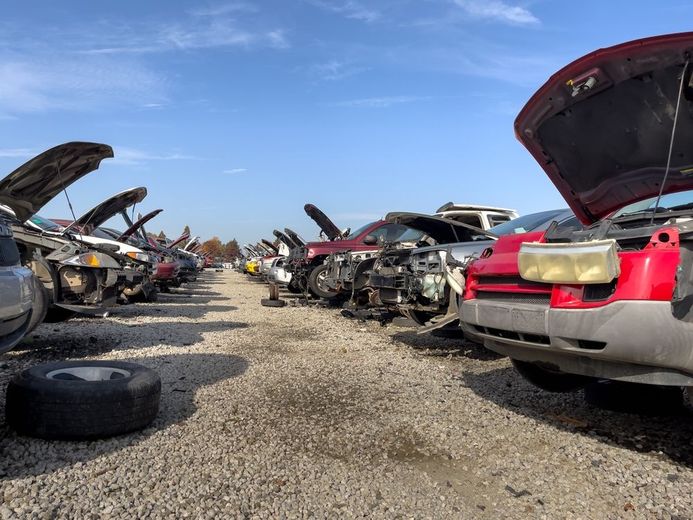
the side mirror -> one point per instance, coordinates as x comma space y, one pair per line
370, 240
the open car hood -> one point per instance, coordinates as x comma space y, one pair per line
442, 230
284, 239
601, 126
27, 189
109, 207
138, 224
331, 231
270, 246
294, 236
191, 244
178, 240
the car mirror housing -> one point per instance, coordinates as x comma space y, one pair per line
370, 240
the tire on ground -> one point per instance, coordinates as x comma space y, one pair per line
58, 401
265, 302
314, 285
550, 380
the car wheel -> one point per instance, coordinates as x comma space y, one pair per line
82, 399
294, 288
549, 380
39, 307
316, 283
421, 317
272, 303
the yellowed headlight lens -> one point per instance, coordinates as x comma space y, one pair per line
577, 263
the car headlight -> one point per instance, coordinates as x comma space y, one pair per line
142, 257
97, 260
576, 263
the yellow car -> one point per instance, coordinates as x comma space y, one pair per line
252, 267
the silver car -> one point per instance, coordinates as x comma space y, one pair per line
19, 291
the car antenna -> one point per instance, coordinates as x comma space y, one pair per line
671, 141
69, 202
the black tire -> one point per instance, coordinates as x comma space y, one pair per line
57, 401
315, 285
58, 314
294, 288
272, 303
40, 306
421, 317
550, 380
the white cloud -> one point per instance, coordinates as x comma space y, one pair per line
17, 152
135, 156
33, 85
348, 8
233, 171
224, 8
498, 10
201, 30
334, 70
380, 102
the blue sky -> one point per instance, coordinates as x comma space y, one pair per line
236, 113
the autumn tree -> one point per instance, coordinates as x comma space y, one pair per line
231, 250
213, 247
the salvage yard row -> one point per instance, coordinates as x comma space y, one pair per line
289, 412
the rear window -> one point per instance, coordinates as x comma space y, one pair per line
526, 223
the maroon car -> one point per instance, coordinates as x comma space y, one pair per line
306, 263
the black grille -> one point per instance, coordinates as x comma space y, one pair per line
599, 291
538, 299
509, 280
539, 339
9, 254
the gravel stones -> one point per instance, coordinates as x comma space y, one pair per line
298, 412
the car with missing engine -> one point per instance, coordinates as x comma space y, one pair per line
612, 300
78, 277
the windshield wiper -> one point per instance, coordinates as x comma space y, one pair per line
682, 207
643, 212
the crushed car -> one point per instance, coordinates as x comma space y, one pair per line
612, 300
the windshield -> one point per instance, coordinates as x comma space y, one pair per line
526, 223
670, 202
360, 230
45, 224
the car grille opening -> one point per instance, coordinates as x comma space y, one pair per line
533, 298
517, 336
599, 291
591, 345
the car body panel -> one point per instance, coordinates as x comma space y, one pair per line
28, 188
332, 232
113, 205
605, 146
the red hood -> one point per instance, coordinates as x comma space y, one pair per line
601, 126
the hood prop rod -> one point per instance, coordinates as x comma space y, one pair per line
671, 142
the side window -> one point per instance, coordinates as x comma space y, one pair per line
470, 220
494, 220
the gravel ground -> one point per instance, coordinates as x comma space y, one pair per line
297, 412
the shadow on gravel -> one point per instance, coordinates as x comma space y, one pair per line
671, 435
444, 346
72, 341
181, 377
171, 309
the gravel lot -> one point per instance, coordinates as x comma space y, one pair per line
298, 412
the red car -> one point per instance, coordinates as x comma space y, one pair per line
306, 262
612, 300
